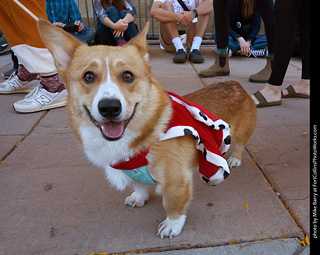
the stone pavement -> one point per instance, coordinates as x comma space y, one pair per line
53, 201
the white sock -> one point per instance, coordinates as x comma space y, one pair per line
197, 40
177, 43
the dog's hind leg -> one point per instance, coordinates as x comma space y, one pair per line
235, 159
239, 139
139, 196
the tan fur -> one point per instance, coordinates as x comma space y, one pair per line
231, 103
174, 173
172, 161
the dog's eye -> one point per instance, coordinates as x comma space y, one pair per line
88, 77
127, 76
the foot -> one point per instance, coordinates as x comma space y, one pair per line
196, 57
233, 162
272, 94
171, 228
40, 99
180, 57
15, 85
303, 87
137, 199
219, 68
8, 73
263, 75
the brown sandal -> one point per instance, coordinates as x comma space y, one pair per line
263, 102
293, 94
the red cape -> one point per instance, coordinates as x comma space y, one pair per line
189, 118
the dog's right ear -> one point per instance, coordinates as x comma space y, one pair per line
61, 44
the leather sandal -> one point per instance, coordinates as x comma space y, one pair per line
293, 94
263, 102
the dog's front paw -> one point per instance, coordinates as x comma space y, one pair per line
171, 228
233, 162
136, 199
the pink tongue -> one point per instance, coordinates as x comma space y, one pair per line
112, 129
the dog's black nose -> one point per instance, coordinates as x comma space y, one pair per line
109, 108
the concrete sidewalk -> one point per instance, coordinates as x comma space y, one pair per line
53, 201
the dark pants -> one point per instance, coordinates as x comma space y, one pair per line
221, 14
288, 13
104, 34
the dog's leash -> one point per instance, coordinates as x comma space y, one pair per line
26, 10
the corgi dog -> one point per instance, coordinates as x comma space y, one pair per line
129, 126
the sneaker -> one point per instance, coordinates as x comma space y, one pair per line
15, 85
196, 57
4, 48
258, 53
180, 57
8, 73
40, 99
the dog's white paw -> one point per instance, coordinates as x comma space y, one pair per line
171, 228
233, 162
136, 199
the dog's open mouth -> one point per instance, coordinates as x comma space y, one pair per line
110, 130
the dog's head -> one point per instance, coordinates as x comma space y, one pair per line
106, 85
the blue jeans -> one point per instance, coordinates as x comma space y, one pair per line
85, 36
114, 15
258, 43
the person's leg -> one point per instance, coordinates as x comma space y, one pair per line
169, 30
131, 30
104, 36
22, 81
14, 69
303, 86
195, 34
286, 16
233, 45
260, 43
22, 34
221, 16
170, 36
221, 64
85, 36
114, 16
266, 10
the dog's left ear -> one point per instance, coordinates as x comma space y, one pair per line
61, 44
140, 41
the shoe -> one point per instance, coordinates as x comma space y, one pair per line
263, 75
4, 48
40, 99
219, 68
180, 57
293, 94
258, 53
8, 73
196, 57
263, 102
122, 43
15, 85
